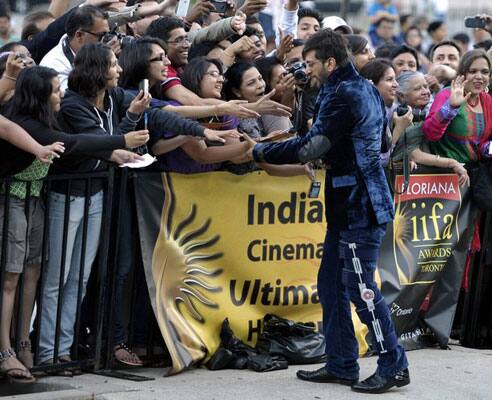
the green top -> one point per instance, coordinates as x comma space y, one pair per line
34, 173
462, 138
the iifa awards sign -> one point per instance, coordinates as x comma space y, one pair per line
218, 245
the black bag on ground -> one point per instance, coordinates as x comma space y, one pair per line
235, 354
298, 343
481, 186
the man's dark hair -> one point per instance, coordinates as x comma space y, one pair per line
383, 19
406, 49
195, 70
161, 28
385, 50
443, 43
404, 18
32, 93
308, 12
434, 26
462, 37
83, 18
5, 9
201, 49
374, 70
134, 61
327, 43
90, 69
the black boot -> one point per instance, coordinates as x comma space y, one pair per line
380, 384
323, 376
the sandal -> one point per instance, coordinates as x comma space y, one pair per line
74, 370
14, 374
124, 355
24, 355
56, 372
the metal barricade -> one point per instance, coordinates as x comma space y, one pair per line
57, 364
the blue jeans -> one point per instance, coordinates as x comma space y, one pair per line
50, 290
347, 275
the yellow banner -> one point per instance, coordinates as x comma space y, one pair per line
237, 247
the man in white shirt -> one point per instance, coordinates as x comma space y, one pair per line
86, 25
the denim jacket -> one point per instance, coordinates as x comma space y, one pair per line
346, 135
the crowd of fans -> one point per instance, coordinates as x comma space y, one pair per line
72, 102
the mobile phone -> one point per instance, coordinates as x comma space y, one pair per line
475, 22
314, 190
183, 7
220, 6
144, 85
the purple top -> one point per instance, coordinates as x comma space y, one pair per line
178, 161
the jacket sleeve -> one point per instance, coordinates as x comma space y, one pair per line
44, 41
93, 145
161, 121
213, 33
332, 122
440, 116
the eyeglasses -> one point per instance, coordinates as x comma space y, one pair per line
214, 74
98, 35
179, 41
161, 57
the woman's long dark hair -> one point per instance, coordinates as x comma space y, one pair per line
266, 65
374, 70
194, 72
234, 78
134, 60
90, 70
32, 93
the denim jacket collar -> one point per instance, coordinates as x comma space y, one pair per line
341, 74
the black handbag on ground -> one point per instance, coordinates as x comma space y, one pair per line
298, 343
481, 185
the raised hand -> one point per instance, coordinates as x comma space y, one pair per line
238, 23
46, 154
136, 138
139, 103
14, 65
251, 145
458, 96
267, 106
236, 108
286, 45
201, 8
405, 120
251, 7
218, 136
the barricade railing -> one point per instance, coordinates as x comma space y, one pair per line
54, 362
94, 328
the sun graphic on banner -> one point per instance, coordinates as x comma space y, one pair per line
402, 233
181, 274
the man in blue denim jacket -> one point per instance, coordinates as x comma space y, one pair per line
347, 136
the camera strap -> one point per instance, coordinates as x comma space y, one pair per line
405, 167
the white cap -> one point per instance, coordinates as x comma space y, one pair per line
333, 22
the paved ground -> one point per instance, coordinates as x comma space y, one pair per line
459, 373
